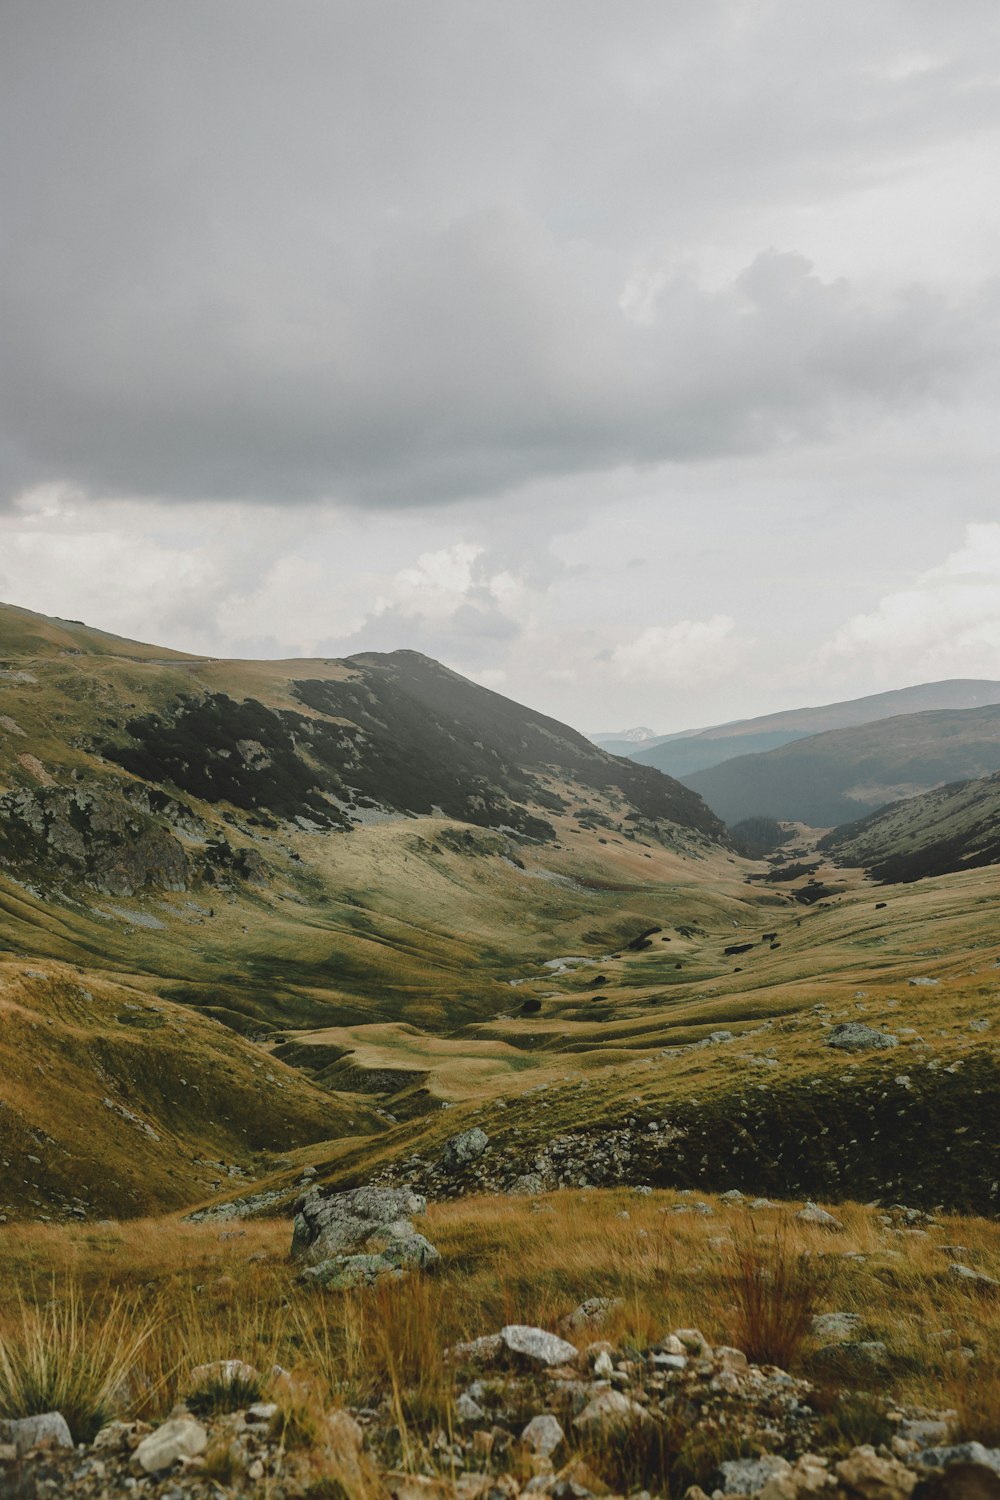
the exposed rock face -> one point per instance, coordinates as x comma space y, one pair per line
94, 833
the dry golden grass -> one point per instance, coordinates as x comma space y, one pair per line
206, 1295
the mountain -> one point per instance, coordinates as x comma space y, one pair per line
699, 749
626, 741
954, 827
201, 861
830, 778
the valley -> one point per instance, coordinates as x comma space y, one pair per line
275, 933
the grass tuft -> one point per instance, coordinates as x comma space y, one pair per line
776, 1290
68, 1355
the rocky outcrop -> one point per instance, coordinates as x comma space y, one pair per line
94, 833
353, 1238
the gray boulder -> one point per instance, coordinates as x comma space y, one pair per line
977, 1279
748, 1476
343, 1222
536, 1347
47, 1430
961, 1453
855, 1036
813, 1214
464, 1148
180, 1438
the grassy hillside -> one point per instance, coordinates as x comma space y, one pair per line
955, 827
683, 755
267, 897
833, 778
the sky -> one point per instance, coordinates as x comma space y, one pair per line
638, 360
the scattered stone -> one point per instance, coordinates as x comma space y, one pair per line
536, 1346
854, 1036
609, 1410
835, 1326
977, 1279
46, 1430
748, 1476
962, 1453
180, 1438
464, 1148
813, 1214
543, 1435
328, 1226
922, 982
867, 1474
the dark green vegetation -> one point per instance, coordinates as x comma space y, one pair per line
684, 754
831, 778
756, 837
427, 737
953, 828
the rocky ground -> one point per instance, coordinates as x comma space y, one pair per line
572, 1411
535, 1412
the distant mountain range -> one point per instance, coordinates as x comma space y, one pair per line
832, 778
697, 749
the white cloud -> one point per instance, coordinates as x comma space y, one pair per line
683, 654
946, 623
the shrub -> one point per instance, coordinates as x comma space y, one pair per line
776, 1291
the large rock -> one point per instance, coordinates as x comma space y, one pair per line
464, 1148
961, 1453
343, 1222
536, 1347
864, 1472
181, 1438
46, 1430
813, 1214
610, 1411
543, 1434
855, 1036
748, 1476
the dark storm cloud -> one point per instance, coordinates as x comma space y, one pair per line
398, 252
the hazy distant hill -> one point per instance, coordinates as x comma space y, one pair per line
954, 827
697, 750
832, 778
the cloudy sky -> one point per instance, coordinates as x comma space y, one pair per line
640, 359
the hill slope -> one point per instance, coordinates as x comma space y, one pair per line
954, 827
831, 778
684, 754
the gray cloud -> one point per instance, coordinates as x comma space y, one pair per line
405, 252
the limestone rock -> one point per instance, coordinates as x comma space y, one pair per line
543, 1434
536, 1346
748, 1476
813, 1214
977, 1279
609, 1410
855, 1036
344, 1222
962, 1453
866, 1474
179, 1438
46, 1430
465, 1147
